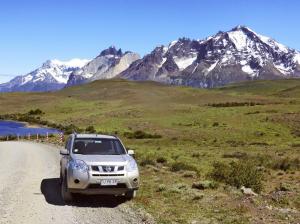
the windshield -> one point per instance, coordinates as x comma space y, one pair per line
98, 147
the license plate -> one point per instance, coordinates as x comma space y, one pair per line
108, 182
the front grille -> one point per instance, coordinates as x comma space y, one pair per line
108, 175
120, 168
106, 169
95, 168
98, 186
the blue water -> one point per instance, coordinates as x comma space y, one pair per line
16, 128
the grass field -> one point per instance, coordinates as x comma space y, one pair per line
256, 123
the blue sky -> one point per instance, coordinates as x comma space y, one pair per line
34, 31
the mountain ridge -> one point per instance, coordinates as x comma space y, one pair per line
236, 55
51, 76
239, 54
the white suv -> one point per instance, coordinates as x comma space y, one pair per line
97, 164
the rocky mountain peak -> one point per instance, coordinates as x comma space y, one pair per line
235, 55
111, 51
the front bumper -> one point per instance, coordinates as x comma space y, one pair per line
90, 182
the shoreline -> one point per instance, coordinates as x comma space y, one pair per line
27, 124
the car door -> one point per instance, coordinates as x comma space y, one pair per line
65, 158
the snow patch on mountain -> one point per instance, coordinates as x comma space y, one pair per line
247, 69
172, 43
238, 38
236, 55
52, 75
184, 62
297, 58
75, 63
212, 66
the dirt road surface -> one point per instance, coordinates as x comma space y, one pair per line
30, 191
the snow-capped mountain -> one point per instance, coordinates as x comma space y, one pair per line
52, 75
237, 55
107, 65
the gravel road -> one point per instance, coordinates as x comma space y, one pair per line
30, 191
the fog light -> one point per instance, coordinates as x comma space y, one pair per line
76, 181
135, 180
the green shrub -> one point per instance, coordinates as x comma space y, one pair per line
234, 104
68, 129
241, 173
285, 187
147, 160
221, 171
215, 124
196, 155
90, 129
140, 135
206, 184
161, 159
161, 188
35, 112
190, 174
245, 173
177, 166
287, 164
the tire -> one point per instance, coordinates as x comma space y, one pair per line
66, 195
130, 194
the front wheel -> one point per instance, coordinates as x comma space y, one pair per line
130, 194
66, 195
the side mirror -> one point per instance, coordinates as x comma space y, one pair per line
64, 152
131, 152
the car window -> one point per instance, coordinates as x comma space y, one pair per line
98, 147
68, 144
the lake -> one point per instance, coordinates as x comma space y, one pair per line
17, 128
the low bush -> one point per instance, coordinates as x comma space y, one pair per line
221, 171
140, 135
234, 104
286, 164
161, 188
147, 160
90, 129
177, 166
206, 184
215, 124
35, 112
196, 154
237, 155
285, 187
296, 133
161, 159
190, 174
241, 173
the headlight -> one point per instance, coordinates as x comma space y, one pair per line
131, 165
78, 165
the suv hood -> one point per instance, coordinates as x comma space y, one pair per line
102, 159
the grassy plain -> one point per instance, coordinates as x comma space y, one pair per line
255, 121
